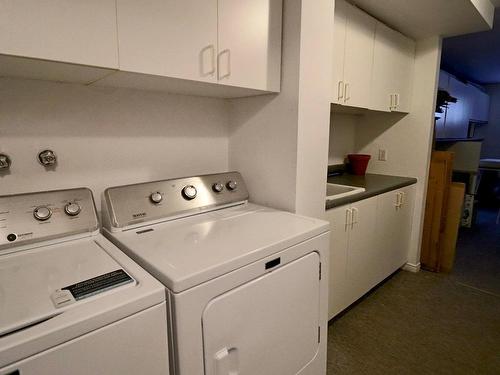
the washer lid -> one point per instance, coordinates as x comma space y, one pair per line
32, 282
186, 252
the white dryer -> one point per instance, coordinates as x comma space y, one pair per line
246, 292
70, 301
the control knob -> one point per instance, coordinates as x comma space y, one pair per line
156, 197
189, 192
232, 185
42, 213
217, 187
72, 208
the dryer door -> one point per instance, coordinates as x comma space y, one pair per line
268, 326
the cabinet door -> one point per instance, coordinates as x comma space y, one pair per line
73, 31
481, 105
339, 32
362, 253
339, 234
388, 210
393, 61
168, 38
383, 68
405, 219
404, 61
250, 43
360, 34
457, 114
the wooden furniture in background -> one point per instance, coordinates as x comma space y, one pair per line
451, 227
436, 209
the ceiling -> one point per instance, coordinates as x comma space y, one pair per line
420, 19
475, 57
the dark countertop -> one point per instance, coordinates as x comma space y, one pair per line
374, 184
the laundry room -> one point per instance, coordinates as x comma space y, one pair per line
181, 193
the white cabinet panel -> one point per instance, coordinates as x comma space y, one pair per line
71, 31
362, 254
394, 217
480, 105
169, 38
458, 114
339, 233
360, 34
250, 43
393, 64
339, 34
403, 72
369, 241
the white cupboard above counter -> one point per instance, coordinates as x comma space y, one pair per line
373, 64
217, 48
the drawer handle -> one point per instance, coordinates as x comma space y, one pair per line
273, 263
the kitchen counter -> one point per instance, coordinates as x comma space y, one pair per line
374, 184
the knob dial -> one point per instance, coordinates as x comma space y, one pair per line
72, 209
156, 197
232, 185
42, 213
189, 192
217, 187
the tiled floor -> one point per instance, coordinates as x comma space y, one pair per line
428, 323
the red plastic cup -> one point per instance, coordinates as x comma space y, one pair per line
359, 163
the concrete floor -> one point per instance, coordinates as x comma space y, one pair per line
427, 323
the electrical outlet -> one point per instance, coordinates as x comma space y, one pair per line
382, 154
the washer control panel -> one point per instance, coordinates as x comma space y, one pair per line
34, 217
132, 204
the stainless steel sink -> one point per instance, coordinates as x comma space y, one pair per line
336, 191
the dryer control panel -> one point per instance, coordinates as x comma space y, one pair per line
150, 201
34, 217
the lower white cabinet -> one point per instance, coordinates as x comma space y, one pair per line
369, 241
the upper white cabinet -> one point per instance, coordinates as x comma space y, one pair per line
392, 75
221, 48
70, 31
473, 105
170, 38
339, 31
231, 42
249, 48
353, 51
59, 40
480, 105
373, 64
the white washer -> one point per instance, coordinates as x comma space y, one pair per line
246, 291
70, 301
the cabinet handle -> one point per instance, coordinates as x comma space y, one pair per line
391, 106
347, 93
398, 200
396, 97
219, 57
208, 49
354, 219
403, 198
340, 90
348, 216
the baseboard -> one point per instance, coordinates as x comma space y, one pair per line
412, 267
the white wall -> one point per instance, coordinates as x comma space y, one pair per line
408, 139
280, 142
105, 136
342, 137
